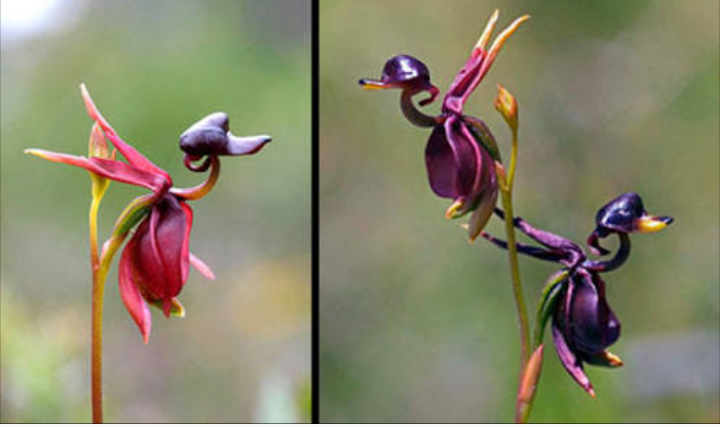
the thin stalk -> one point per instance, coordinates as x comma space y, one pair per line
506, 189
100, 267
97, 299
515, 274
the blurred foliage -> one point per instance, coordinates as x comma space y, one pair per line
419, 326
153, 69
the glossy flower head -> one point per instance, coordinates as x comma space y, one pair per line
211, 136
584, 326
406, 73
623, 215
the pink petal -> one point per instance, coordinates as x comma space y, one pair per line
111, 169
201, 267
131, 154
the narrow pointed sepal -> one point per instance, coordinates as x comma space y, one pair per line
482, 214
133, 213
201, 267
108, 168
570, 361
548, 301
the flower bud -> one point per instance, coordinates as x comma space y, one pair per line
530, 376
98, 147
506, 105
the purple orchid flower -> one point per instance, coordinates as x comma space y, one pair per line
154, 265
583, 324
461, 152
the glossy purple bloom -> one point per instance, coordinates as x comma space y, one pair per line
461, 152
583, 324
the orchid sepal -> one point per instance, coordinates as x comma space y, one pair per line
133, 213
548, 301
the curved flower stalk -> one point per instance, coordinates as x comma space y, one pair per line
154, 265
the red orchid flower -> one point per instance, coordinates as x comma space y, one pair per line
154, 265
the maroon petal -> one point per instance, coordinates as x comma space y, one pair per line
466, 154
462, 86
440, 163
485, 178
162, 241
569, 360
130, 292
593, 324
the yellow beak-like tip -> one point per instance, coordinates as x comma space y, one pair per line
372, 84
613, 360
651, 224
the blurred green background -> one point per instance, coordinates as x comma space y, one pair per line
615, 96
242, 353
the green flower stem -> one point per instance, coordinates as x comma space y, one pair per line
97, 297
100, 271
506, 188
515, 274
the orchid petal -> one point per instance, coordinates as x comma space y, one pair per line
185, 252
467, 157
475, 68
111, 169
131, 154
593, 324
570, 361
130, 294
161, 238
201, 267
482, 214
440, 163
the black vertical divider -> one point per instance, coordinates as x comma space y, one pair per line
315, 213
